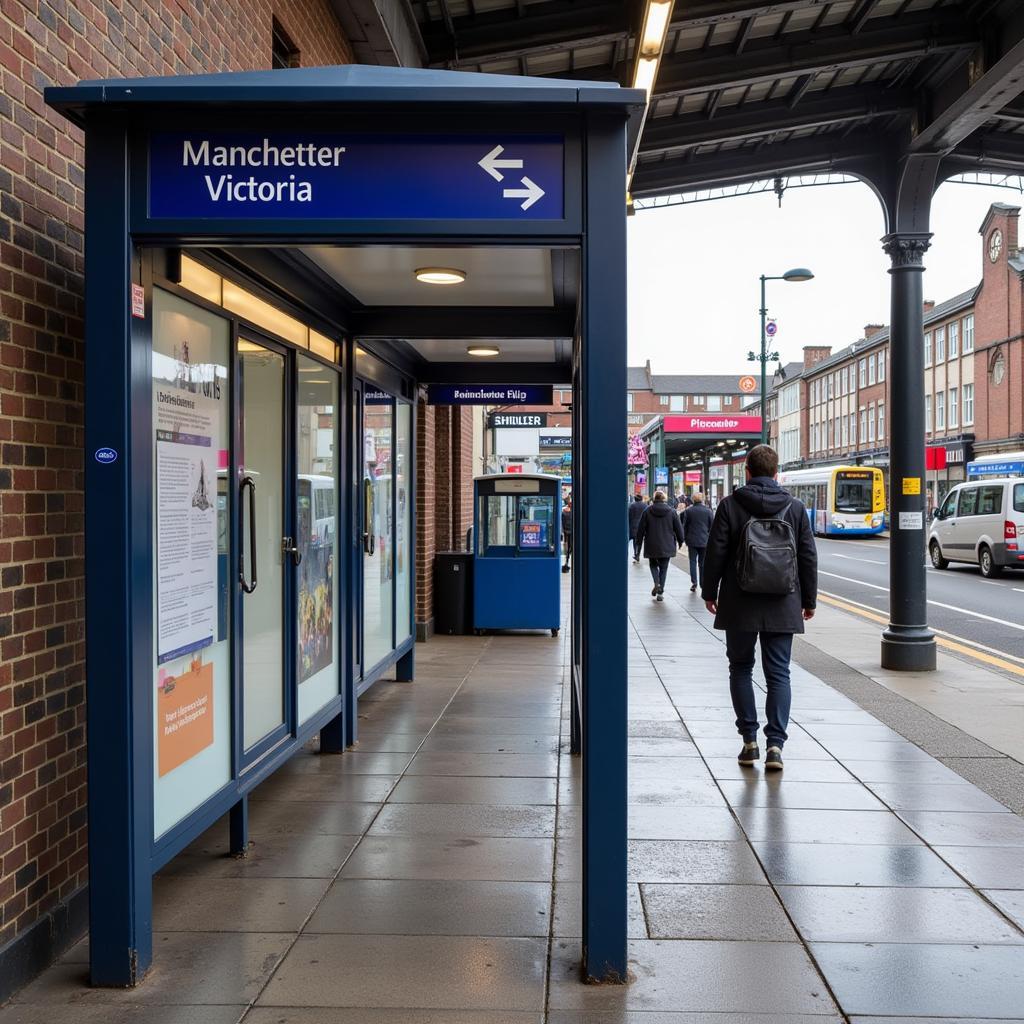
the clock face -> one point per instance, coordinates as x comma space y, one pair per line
995, 245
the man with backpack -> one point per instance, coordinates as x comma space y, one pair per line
760, 581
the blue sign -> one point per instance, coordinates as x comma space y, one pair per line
248, 176
489, 394
771, 328
1012, 468
105, 455
660, 475
376, 398
533, 534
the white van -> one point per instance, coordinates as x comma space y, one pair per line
983, 522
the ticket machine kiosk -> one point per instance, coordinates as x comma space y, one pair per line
517, 519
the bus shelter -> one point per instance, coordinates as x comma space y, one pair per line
278, 266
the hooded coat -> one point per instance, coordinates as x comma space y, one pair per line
697, 521
762, 497
660, 531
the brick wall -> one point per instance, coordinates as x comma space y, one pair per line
425, 517
42, 42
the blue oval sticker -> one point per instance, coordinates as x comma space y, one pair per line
106, 455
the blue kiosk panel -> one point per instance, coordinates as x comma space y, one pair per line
516, 569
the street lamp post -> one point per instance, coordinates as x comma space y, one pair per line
796, 274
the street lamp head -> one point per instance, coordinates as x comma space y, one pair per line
797, 274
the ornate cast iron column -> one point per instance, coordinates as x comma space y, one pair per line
907, 642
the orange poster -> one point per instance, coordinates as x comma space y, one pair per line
184, 715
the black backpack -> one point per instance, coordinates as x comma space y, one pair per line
766, 561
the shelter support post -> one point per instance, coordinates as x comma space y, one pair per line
907, 642
603, 620
332, 735
238, 824
119, 581
404, 668
705, 473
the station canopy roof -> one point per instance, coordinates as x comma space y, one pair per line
749, 89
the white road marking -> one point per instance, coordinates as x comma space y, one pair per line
940, 632
938, 604
853, 558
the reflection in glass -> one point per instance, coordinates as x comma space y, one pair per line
403, 522
317, 535
378, 527
262, 460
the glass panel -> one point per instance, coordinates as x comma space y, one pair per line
990, 502
316, 445
499, 516
853, 495
191, 567
378, 539
968, 501
1018, 498
403, 522
536, 524
262, 461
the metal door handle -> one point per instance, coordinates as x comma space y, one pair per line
288, 548
248, 481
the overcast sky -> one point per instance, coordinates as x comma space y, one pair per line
694, 292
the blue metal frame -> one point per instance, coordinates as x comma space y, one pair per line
597, 120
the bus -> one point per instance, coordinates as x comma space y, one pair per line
841, 500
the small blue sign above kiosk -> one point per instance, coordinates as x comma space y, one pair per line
351, 176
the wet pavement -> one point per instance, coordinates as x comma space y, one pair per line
432, 875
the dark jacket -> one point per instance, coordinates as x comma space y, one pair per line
697, 520
660, 531
566, 522
761, 497
636, 512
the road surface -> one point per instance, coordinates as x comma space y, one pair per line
986, 613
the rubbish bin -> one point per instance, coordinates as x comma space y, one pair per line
453, 593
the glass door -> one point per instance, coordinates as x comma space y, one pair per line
377, 513
266, 546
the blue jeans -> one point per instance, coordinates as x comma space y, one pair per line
697, 564
776, 650
659, 571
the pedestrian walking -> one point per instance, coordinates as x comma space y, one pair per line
661, 534
697, 520
567, 534
637, 509
761, 583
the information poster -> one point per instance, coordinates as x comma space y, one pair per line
533, 535
184, 714
187, 446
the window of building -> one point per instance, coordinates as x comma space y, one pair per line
954, 339
940, 344
871, 368
954, 403
663, 400
928, 348
283, 52
863, 423
678, 403
862, 367
969, 333
629, 401
940, 411
881, 421
881, 365
871, 423
927, 414
714, 403
968, 398
728, 399
846, 431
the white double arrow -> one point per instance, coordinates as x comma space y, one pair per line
529, 193
491, 163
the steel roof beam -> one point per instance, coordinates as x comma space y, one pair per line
828, 49
733, 166
757, 119
967, 99
554, 25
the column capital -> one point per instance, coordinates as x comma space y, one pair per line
907, 248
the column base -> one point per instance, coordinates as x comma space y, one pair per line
908, 649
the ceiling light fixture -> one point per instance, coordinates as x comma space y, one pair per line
440, 275
483, 350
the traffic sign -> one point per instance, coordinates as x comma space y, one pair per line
748, 385
771, 328
362, 176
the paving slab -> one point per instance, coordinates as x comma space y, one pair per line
737, 912
796, 824
467, 820
1010, 902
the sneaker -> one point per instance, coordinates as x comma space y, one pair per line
693, 587
654, 590
659, 597
773, 759
749, 754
